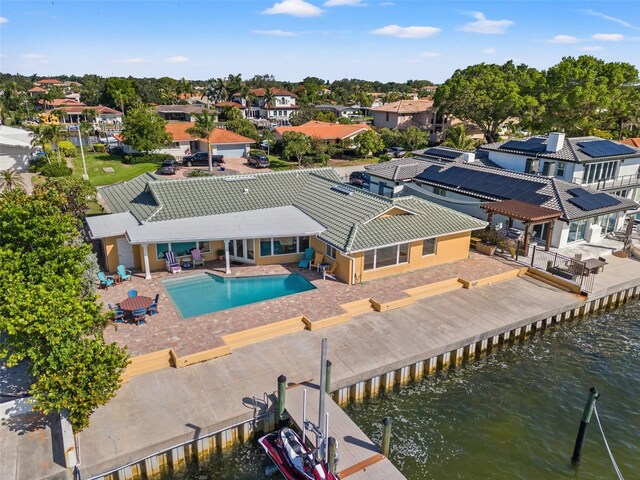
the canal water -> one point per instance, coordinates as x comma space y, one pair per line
514, 414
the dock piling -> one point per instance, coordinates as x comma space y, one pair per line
584, 423
332, 455
386, 436
282, 392
327, 387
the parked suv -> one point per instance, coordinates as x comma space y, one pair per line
169, 167
258, 160
359, 179
395, 152
201, 158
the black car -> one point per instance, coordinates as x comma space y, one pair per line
359, 179
201, 158
169, 167
258, 160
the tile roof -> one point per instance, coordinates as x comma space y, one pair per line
229, 104
542, 191
352, 218
522, 210
324, 130
178, 131
634, 142
50, 81
259, 92
77, 109
405, 106
178, 109
62, 102
570, 152
36, 90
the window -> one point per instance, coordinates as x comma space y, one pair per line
331, 252
561, 168
180, 249
386, 256
439, 191
428, 247
577, 230
303, 243
595, 172
283, 245
387, 117
161, 249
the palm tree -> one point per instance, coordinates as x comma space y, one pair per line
54, 134
209, 91
39, 137
89, 114
119, 97
234, 84
184, 87
456, 137
221, 90
269, 97
11, 180
87, 128
205, 124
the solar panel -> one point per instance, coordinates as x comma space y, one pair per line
440, 152
588, 201
534, 144
604, 148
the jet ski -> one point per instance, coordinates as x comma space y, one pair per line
293, 459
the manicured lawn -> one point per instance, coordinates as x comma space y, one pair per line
122, 172
334, 162
277, 163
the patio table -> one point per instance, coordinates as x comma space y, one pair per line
594, 265
140, 301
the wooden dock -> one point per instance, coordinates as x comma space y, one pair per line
358, 457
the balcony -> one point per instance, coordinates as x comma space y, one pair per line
616, 183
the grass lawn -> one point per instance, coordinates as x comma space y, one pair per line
122, 172
277, 163
334, 162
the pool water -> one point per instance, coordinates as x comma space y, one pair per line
206, 293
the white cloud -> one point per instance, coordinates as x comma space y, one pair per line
177, 59
134, 60
344, 3
486, 26
430, 54
608, 37
4, 20
406, 32
490, 51
34, 57
611, 19
275, 33
297, 8
564, 39
593, 48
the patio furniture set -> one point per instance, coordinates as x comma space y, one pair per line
121, 275
175, 266
316, 259
135, 308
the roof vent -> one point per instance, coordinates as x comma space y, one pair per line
555, 142
246, 190
239, 179
469, 157
342, 189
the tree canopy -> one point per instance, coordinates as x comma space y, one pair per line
144, 130
368, 142
296, 145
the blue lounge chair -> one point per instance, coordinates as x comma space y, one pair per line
172, 265
132, 293
118, 316
124, 273
105, 280
140, 315
306, 258
153, 308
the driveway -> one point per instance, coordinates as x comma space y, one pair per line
232, 166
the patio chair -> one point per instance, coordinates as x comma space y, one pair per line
153, 308
105, 280
317, 260
306, 258
132, 293
114, 307
124, 273
196, 256
140, 315
118, 315
172, 264
329, 271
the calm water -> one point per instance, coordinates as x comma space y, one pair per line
512, 415
206, 293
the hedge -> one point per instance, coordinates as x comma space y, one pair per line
133, 159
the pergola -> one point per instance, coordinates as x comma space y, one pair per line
528, 213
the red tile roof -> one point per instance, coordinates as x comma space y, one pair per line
325, 131
633, 142
229, 104
100, 109
50, 81
259, 92
62, 102
405, 106
36, 90
178, 131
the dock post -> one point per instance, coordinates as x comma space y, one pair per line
584, 423
386, 436
332, 455
327, 387
321, 405
282, 392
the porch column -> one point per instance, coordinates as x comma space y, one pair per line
525, 245
549, 235
227, 261
489, 220
145, 252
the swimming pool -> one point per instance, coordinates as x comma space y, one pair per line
206, 293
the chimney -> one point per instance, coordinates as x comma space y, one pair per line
555, 142
468, 157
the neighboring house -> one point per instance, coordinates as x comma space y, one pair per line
49, 82
272, 218
340, 110
15, 148
104, 115
279, 112
405, 113
223, 142
592, 161
583, 213
179, 113
329, 132
36, 91
221, 106
634, 142
57, 103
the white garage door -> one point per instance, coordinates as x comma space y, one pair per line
231, 150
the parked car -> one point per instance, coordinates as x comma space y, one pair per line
201, 158
258, 160
359, 179
395, 152
169, 167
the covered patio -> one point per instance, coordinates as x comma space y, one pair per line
529, 214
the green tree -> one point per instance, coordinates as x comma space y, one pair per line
71, 195
321, 116
119, 92
414, 137
368, 142
305, 114
54, 134
456, 137
87, 129
296, 145
204, 126
391, 138
11, 180
39, 138
269, 98
487, 95
244, 127
144, 130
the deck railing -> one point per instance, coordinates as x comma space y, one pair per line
623, 181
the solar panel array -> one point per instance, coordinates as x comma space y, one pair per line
441, 152
588, 201
604, 148
533, 145
487, 183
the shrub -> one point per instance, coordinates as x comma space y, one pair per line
383, 158
37, 163
55, 170
100, 147
135, 158
67, 149
322, 159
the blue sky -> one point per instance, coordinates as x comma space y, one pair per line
393, 40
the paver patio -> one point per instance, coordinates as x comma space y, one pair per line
169, 329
